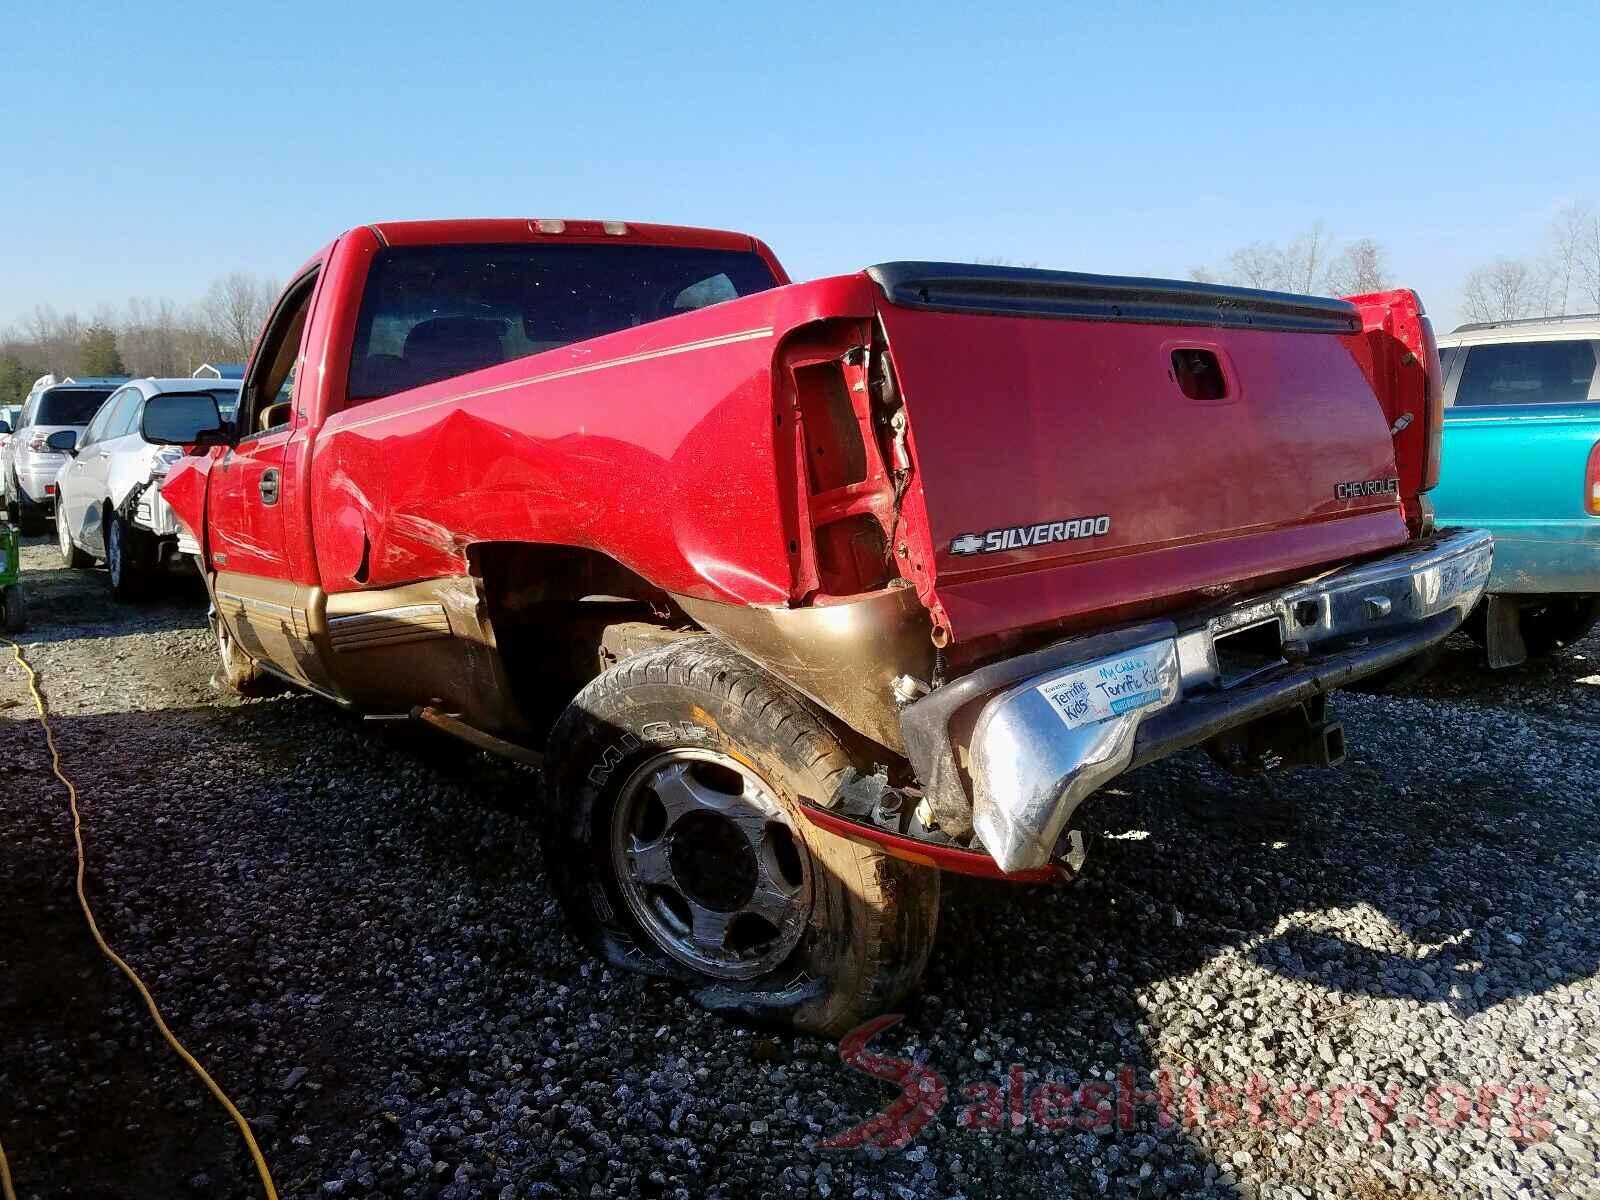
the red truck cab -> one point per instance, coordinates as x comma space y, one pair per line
808, 589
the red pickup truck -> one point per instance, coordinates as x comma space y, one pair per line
808, 591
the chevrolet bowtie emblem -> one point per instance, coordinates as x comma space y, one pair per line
967, 543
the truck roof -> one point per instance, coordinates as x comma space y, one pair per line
1527, 329
555, 229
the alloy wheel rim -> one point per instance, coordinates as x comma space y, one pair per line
709, 864
63, 535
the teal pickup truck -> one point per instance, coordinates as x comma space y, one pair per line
1522, 459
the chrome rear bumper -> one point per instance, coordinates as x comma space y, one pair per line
1054, 725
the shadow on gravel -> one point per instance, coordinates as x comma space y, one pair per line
60, 608
268, 949
1463, 674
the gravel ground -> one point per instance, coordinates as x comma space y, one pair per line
352, 930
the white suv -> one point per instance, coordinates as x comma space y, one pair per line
28, 465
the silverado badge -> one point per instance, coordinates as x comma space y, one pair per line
1018, 537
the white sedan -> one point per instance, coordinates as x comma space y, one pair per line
108, 505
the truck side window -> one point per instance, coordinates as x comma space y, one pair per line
1528, 373
434, 312
266, 400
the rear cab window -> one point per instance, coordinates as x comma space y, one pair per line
432, 312
1517, 373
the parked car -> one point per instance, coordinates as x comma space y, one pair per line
1522, 459
10, 414
108, 505
810, 589
28, 464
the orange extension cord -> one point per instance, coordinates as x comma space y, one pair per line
94, 929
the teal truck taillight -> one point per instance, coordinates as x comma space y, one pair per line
1591, 483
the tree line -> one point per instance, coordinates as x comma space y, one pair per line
1561, 278
147, 337
1307, 265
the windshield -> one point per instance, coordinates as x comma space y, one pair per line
69, 406
431, 312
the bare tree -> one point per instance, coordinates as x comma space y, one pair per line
1505, 290
235, 308
1269, 265
1258, 265
1572, 259
54, 339
1304, 257
153, 338
1589, 265
1359, 268
1563, 253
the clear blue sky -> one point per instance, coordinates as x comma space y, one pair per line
145, 149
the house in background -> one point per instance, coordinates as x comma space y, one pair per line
219, 371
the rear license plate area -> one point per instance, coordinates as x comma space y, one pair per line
1248, 651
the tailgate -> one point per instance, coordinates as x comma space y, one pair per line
1088, 446
1522, 472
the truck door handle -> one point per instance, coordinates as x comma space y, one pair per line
269, 486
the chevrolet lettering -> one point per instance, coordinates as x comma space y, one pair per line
1357, 489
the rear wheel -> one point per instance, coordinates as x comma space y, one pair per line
70, 554
677, 845
237, 671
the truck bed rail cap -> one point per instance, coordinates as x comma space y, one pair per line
1025, 292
